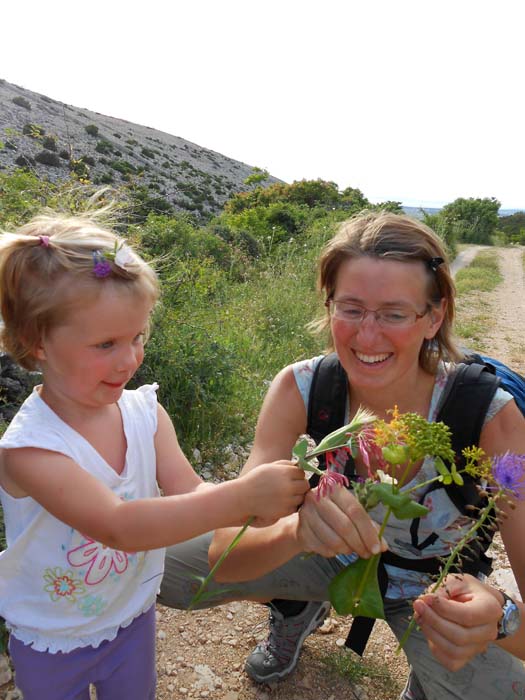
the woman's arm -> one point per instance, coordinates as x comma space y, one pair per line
462, 618
328, 526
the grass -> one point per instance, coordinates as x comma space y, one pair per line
482, 275
474, 283
354, 669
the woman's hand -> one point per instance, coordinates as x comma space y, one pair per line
459, 620
337, 524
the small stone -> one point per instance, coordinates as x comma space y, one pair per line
171, 687
340, 642
161, 634
229, 616
183, 691
197, 457
327, 627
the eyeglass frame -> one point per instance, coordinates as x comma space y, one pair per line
375, 312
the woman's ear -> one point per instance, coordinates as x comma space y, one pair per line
39, 352
436, 316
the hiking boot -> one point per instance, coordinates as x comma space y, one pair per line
275, 658
412, 689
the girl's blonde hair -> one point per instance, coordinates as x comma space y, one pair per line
389, 236
47, 269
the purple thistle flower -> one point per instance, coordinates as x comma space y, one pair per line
508, 471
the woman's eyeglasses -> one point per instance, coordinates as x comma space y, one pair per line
387, 316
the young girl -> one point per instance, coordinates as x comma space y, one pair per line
80, 466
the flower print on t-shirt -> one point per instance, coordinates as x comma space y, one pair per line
99, 559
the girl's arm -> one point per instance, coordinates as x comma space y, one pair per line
80, 500
462, 618
328, 526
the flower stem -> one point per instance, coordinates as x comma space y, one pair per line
454, 554
196, 598
366, 572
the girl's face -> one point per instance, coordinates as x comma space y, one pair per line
378, 355
89, 359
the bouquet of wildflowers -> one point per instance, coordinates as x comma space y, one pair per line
391, 451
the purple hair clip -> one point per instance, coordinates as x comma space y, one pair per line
434, 263
44, 241
101, 266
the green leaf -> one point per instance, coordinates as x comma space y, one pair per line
301, 448
402, 505
456, 476
345, 586
441, 467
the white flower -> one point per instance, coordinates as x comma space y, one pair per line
385, 478
124, 256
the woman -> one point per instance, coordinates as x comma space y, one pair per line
390, 309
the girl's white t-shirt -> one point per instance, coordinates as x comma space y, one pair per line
59, 589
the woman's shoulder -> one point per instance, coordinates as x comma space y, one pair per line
303, 372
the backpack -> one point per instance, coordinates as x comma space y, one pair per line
463, 406
510, 380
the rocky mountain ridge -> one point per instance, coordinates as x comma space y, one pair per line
55, 140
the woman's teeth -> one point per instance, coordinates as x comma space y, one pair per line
371, 359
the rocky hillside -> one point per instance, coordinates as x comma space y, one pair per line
55, 139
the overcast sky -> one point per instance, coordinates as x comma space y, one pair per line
418, 101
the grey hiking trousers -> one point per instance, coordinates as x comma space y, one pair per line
493, 675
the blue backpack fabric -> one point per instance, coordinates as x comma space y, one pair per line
510, 380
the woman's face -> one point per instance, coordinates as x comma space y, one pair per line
374, 354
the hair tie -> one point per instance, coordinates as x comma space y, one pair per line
44, 241
434, 263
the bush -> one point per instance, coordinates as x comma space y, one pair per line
147, 153
25, 161
50, 142
64, 154
104, 147
48, 158
91, 129
21, 102
34, 130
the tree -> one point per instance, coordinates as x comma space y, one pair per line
470, 220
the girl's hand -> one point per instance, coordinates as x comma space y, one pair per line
459, 619
273, 491
337, 524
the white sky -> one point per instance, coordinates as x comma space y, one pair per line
419, 101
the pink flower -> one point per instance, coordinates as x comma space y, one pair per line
369, 450
330, 479
99, 559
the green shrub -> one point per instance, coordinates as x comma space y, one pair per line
64, 154
34, 130
91, 129
104, 147
122, 166
147, 153
50, 143
48, 158
21, 102
25, 161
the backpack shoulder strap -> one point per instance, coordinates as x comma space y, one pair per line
463, 407
327, 400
